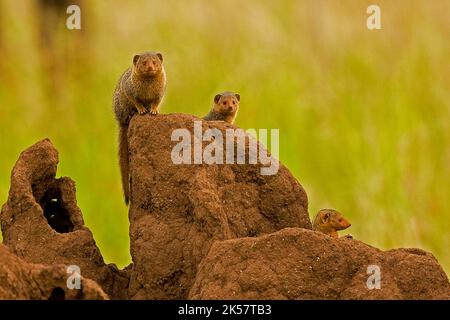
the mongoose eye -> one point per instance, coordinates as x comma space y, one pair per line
234, 102
340, 220
224, 103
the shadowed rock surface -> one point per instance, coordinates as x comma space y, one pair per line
301, 264
41, 222
22, 280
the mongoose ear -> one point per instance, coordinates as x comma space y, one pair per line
217, 98
135, 59
326, 217
238, 96
160, 56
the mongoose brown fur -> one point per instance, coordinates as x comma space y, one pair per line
140, 89
329, 221
225, 107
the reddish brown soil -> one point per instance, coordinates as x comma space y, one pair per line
22, 280
196, 231
302, 264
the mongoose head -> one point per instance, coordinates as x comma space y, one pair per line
227, 103
147, 64
329, 221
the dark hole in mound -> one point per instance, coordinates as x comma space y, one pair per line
57, 294
54, 211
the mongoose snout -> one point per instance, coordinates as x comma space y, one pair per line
342, 224
228, 103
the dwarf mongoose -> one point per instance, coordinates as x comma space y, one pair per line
225, 107
139, 90
329, 221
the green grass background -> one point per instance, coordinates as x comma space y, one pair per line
363, 115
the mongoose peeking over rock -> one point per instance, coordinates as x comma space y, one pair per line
225, 108
329, 221
140, 89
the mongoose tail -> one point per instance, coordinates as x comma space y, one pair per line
124, 162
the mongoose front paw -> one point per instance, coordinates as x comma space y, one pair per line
154, 112
142, 111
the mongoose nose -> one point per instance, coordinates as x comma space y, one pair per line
230, 108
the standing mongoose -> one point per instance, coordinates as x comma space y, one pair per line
329, 221
139, 90
225, 107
